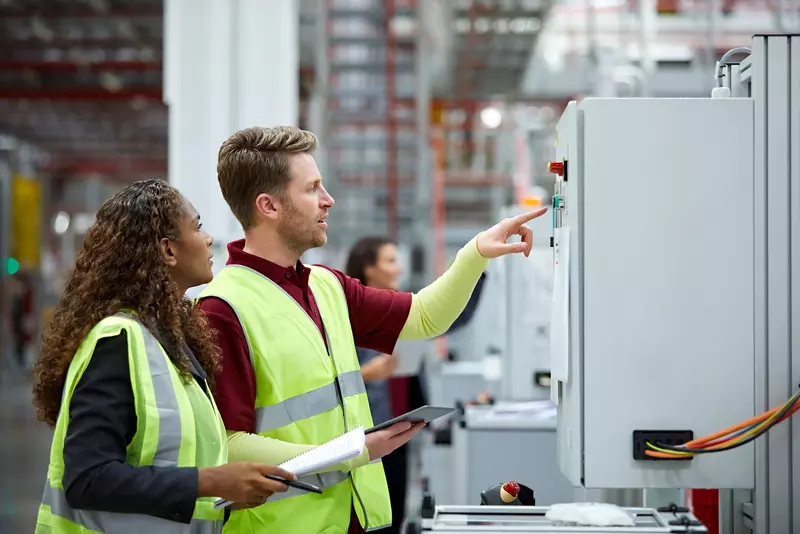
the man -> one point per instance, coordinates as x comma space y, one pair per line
287, 332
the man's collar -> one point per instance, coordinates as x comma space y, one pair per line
273, 271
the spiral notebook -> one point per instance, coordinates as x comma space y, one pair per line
347, 446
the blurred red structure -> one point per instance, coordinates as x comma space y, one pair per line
704, 504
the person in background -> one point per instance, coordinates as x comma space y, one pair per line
21, 316
374, 262
290, 376
125, 375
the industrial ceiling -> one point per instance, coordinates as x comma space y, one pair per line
82, 80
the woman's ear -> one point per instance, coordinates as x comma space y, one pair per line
168, 251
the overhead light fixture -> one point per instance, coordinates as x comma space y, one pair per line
498, 25
61, 223
491, 117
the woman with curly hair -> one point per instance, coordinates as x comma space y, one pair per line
124, 376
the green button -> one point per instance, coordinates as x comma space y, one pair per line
12, 266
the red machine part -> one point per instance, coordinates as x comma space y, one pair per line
556, 167
704, 504
509, 491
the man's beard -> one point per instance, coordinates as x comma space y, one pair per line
295, 232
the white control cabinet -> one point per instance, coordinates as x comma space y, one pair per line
657, 201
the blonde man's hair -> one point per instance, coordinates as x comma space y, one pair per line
255, 161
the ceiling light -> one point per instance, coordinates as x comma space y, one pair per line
491, 117
61, 223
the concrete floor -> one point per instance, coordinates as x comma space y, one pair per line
24, 454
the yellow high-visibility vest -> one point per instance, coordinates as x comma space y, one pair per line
305, 393
177, 425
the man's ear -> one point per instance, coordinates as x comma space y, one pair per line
168, 251
268, 205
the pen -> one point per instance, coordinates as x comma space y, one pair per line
220, 503
295, 484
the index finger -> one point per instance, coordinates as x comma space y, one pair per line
528, 216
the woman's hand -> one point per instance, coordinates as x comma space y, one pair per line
379, 368
244, 483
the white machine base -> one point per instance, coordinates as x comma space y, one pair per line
502, 519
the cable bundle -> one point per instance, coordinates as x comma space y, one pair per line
731, 437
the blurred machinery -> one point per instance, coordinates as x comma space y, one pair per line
535, 520
526, 435
514, 305
528, 298
503, 351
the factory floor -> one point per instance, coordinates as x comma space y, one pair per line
24, 450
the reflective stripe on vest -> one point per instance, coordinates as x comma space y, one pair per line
309, 404
169, 414
114, 523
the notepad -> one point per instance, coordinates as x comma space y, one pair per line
347, 446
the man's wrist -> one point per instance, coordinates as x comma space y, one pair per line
477, 245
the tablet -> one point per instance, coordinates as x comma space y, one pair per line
425, 413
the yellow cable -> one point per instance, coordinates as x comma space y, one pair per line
667, 451
738, 439
730, 441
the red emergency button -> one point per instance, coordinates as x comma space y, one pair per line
556, 167
509, 491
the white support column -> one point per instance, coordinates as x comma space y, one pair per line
229, 64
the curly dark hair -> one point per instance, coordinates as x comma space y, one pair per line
121, 266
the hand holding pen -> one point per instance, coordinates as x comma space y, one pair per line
291, 483
248, 483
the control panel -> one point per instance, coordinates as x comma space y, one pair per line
559, 168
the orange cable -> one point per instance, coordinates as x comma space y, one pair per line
715, 438
721, 443
699, 442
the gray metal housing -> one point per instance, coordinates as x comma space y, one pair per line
771, 78
661, 315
